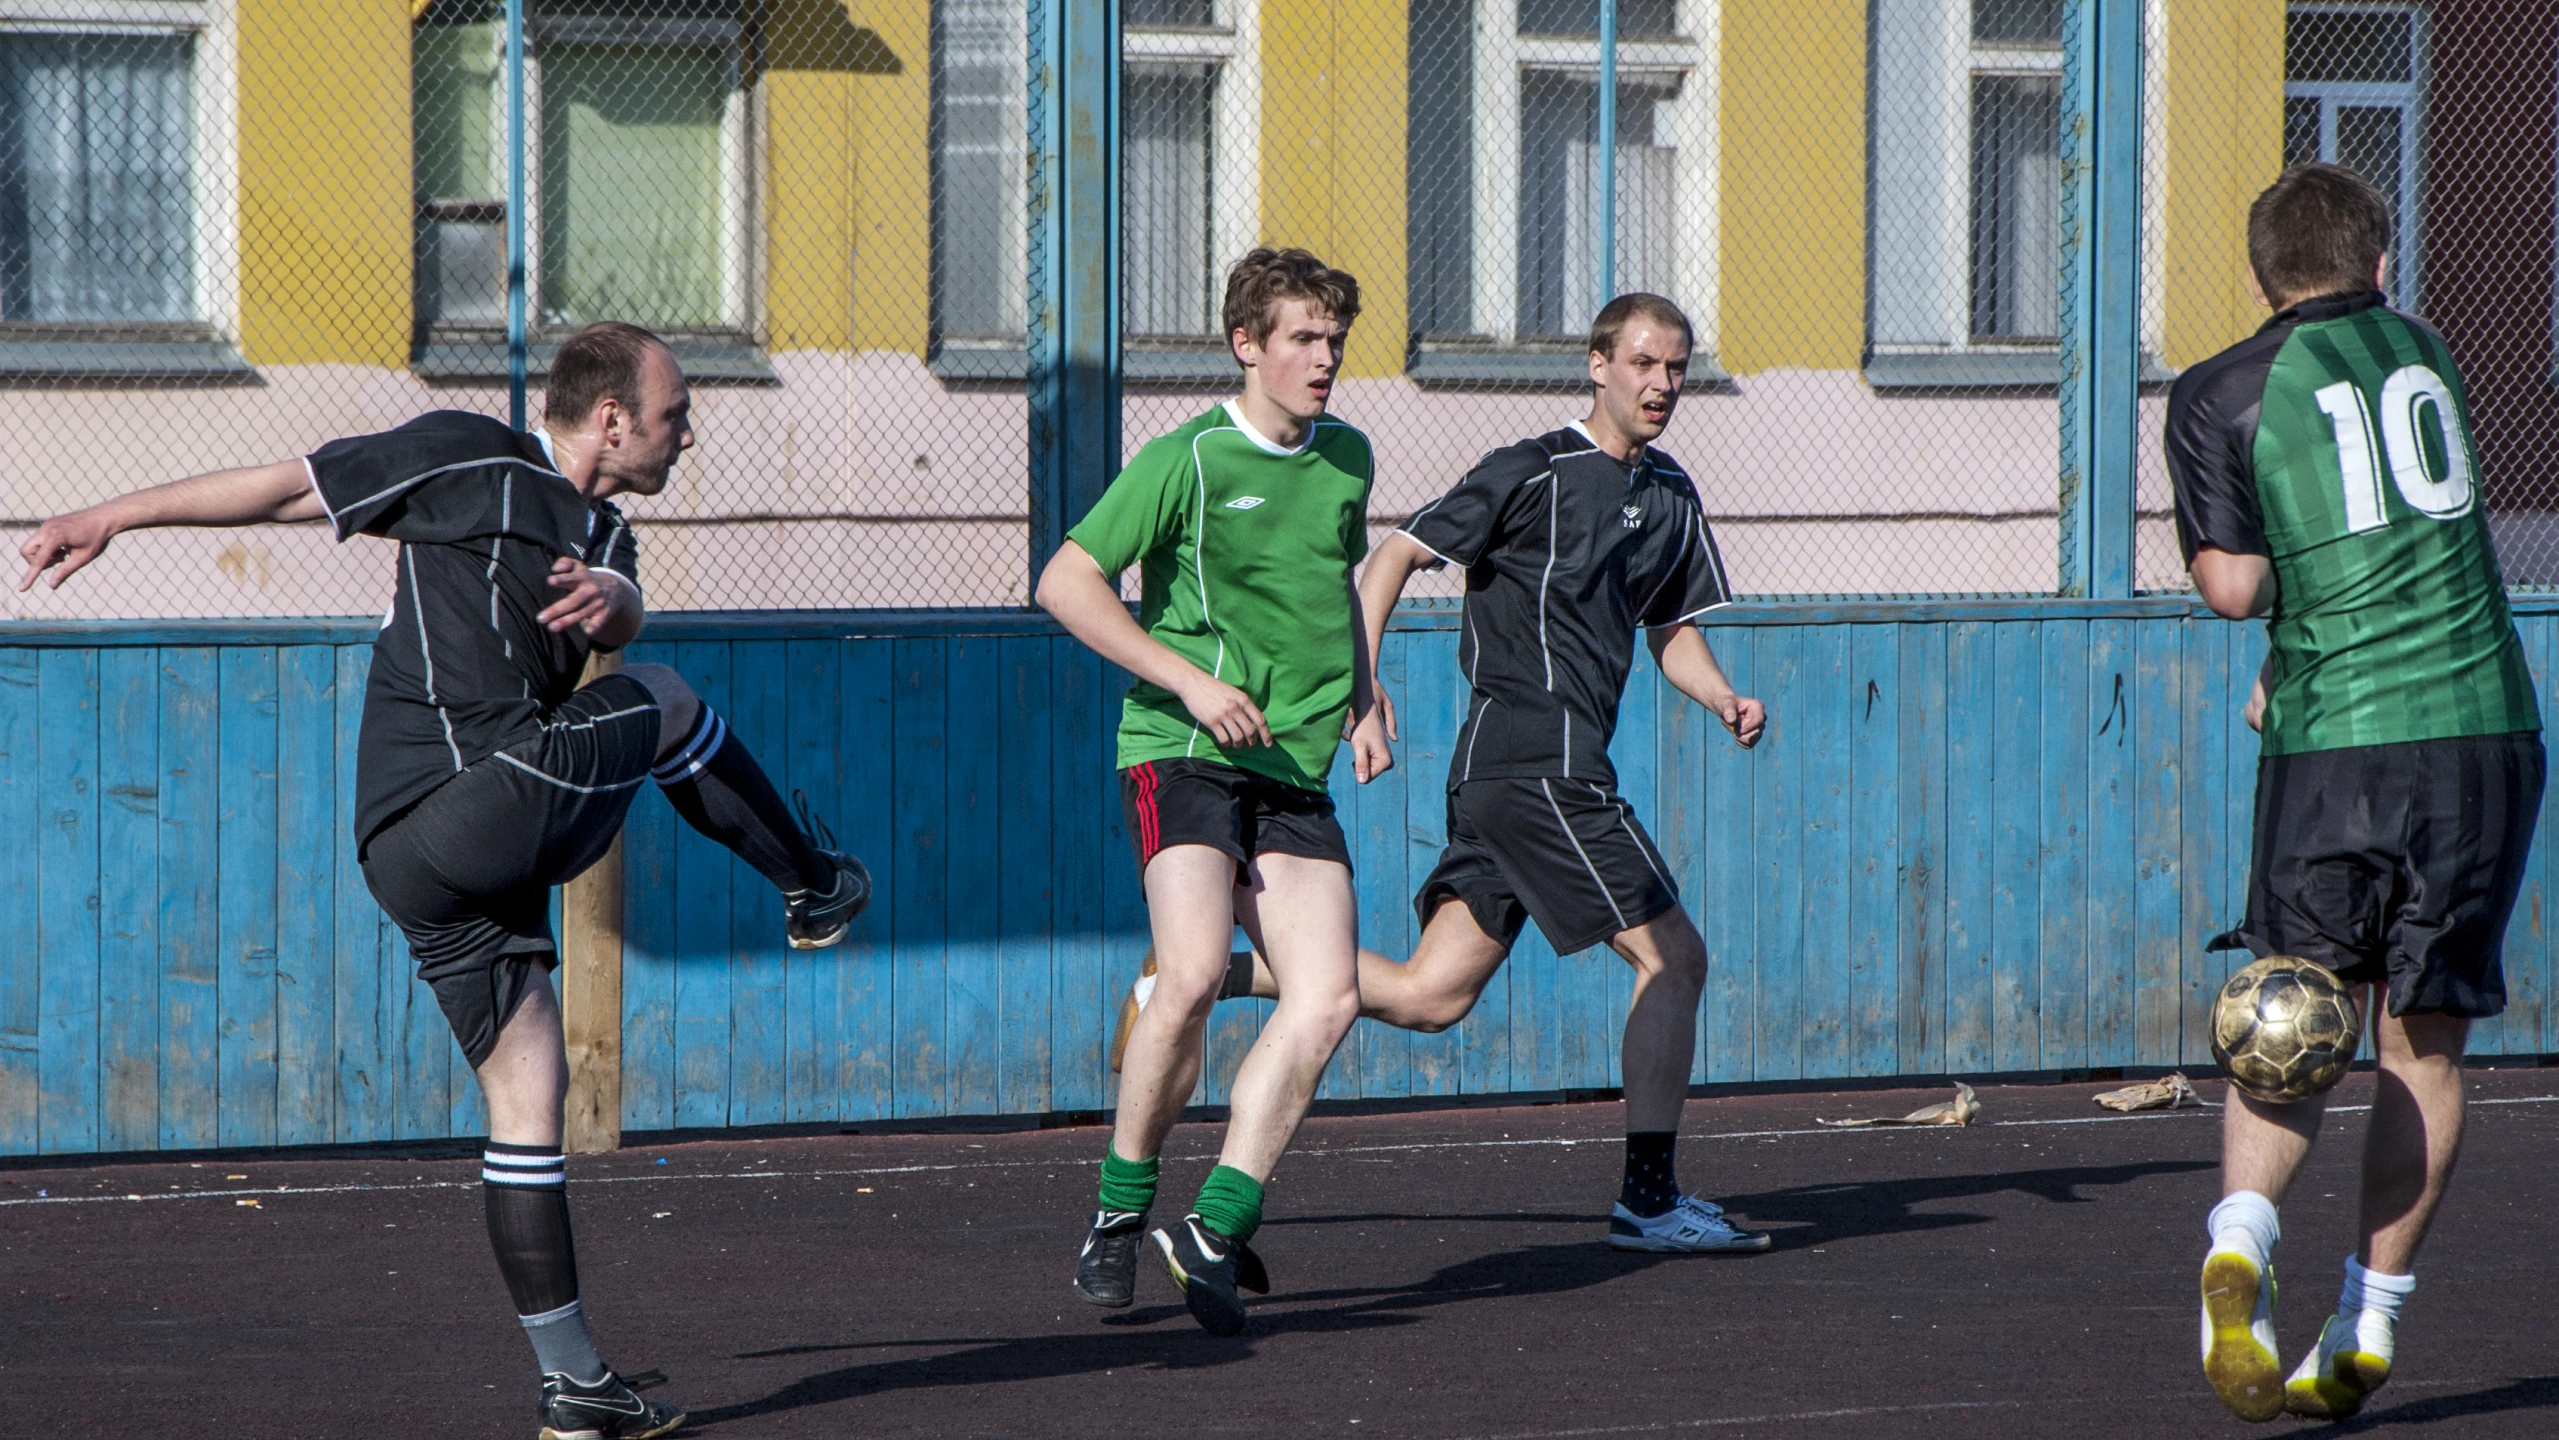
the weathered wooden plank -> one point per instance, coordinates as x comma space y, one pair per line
759, 1043
128, 899
2107, 931
1342, 1077
66, 933
1087, 846
921, 845
1779, 796
1680, 736
704, 879
2162, 937
1972, 784
245, 1062
1921, 801
1430, 707
1827, 701
2205, 857
21, 902
2064, 835
365, 1051
871, 758
1125, 931
2016, 837
1728, 837
809, 755
1378, 857
1025, 866
649, 960
972, 967
308, 824
2531, 925
190, 842
1874, 848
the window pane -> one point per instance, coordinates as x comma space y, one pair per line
454, 108
2016, 207
1142, 14
96, 218
2017, 22
2349, 45
1439, 184
2301, 131
2368, 144
1636, 19
1164, 200
1559, 200
977, 173
631, 197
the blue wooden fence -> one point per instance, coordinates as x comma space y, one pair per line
1979, 837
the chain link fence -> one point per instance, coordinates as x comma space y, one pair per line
230, 233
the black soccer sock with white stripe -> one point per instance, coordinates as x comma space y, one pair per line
527, 1190
719, 790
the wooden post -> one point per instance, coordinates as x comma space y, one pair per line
591, 989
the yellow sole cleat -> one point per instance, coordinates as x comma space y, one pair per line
2239, 1356
2334, 1383
1130, 1004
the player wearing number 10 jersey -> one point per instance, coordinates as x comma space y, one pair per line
2325, 477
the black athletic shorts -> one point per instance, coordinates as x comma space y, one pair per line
2396, 865
1208, 802
1567, 854
467, 872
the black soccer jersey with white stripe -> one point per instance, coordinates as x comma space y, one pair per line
463, 666
1567, 551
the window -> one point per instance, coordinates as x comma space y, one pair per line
117, 203
1504, 161
978, 162
637, 187
1190, 117
2350, 98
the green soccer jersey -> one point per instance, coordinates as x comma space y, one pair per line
2337, 443
1245, 552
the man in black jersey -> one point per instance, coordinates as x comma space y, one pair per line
1571, 542
485, 774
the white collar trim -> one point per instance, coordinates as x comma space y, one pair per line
1235, 413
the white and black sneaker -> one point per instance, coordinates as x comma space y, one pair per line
1106, 1272
609, 1409
1692, 1226
1204, 1264
813, 919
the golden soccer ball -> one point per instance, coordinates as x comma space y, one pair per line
2285, 1029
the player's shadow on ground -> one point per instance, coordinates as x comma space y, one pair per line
1816, 1214
2532, 1393
1133, 1341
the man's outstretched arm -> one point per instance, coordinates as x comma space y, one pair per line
1689, 664
1381, 583
257, 494
1073, 588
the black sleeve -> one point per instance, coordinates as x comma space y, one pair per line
1696, 582
1461, 525
2211, 439
432, 480
615, 549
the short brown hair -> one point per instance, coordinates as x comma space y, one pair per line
1617, 314
1265, 277
600, 360
2318, 230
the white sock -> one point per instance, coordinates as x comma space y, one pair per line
2371, 1300
2245, 1221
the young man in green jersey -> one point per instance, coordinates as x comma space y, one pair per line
1572, 542
2325, 478
1244, 524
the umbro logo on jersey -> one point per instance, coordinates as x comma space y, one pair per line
1243, 502
1634, 516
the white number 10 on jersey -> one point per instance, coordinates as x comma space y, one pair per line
2409, 388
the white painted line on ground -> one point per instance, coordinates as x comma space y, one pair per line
1318, 1153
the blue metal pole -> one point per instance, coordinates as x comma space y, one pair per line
1607, 151
515, 358
1073, 312
2101, 293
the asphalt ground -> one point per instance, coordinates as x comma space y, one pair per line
1436, 1274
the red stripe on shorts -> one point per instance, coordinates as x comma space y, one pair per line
1150, 828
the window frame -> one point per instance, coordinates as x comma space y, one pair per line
2408, 97
1230, 47
203, 348
1000, 355
731, 348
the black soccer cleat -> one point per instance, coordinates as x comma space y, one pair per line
1202, 1263
815, 920
609, 1409
1106, 1273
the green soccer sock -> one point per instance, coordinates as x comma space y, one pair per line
1128, 1184
1230, 1203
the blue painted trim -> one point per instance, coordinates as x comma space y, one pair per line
515, 356
1607, 151
2101, 297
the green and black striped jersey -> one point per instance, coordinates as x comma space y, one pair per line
2336, 442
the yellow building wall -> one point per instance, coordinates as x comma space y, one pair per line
1332, 155
1793, 176
819, 67
2224, 142
325, 237
890, 113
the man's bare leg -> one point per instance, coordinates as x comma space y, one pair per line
2415, 1134
1190, 900
1303, 913
1428, 991
2262, 1147
1669, 957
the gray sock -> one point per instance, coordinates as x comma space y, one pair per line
562, 1346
